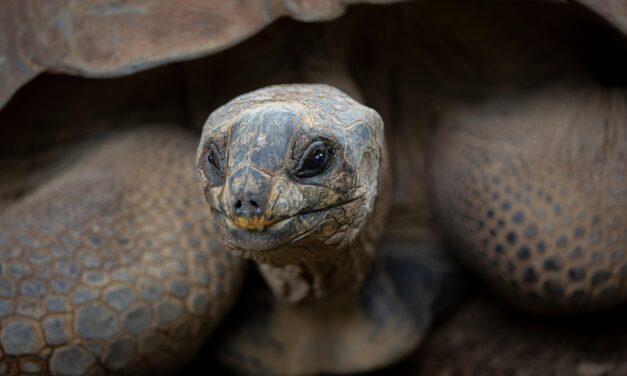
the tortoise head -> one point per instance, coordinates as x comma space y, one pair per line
290, 170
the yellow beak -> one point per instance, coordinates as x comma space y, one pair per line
251, 223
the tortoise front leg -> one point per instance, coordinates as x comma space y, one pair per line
535, 190
112, 266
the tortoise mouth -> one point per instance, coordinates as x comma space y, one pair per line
284, 232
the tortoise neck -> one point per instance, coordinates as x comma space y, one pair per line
315, 281
339, 276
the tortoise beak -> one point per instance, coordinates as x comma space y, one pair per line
252, 223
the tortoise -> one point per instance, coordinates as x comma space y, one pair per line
102, 274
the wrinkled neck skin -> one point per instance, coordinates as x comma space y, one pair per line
336, 276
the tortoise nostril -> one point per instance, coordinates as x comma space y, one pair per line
247, 207
256, 207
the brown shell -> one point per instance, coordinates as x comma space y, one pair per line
107, 38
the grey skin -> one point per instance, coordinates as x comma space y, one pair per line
296, 177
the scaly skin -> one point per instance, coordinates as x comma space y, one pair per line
112, 266
537, 196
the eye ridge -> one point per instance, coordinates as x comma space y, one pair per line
314, 161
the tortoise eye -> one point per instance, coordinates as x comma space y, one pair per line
314, 160
214, 160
